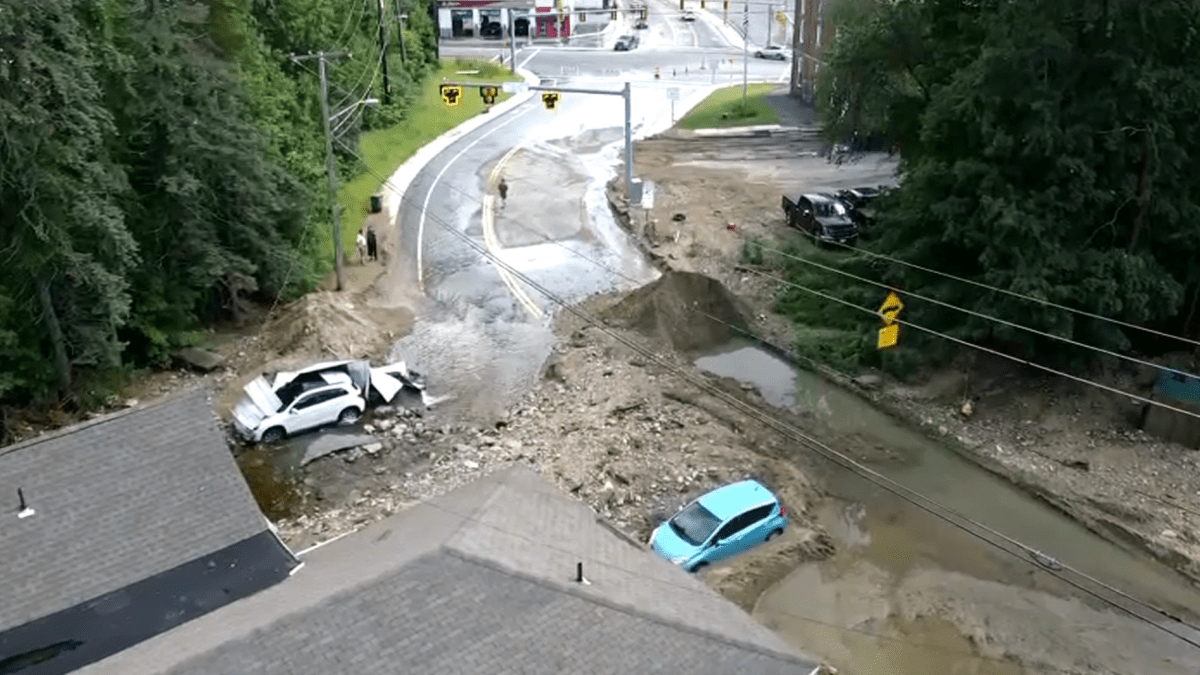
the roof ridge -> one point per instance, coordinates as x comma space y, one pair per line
623, 608
105, 418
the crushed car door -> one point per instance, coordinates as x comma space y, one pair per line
385, 384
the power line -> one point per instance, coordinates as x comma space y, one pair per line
989, 350
351, 19
1022, 296
350, 93
708, 594
948, 305
1047, 563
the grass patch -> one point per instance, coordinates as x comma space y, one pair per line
724, 108
384, 150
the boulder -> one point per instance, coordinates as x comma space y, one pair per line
202, 360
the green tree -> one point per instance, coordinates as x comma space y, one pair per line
65, 247
1048, 150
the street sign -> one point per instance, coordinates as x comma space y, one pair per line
673, 93
647, 195
889, 336
488, 94
515, 87
550, 100
889, 311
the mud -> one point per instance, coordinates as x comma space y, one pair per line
689, 311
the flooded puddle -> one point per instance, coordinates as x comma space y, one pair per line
870, 607
770, 375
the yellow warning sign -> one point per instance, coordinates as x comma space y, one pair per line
889, 336
889, 311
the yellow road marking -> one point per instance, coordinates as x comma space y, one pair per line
493, 244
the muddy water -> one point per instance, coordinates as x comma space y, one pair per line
843, 606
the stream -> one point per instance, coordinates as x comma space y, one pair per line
910, 594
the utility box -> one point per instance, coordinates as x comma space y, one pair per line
1178, 390
635, 193
376, 203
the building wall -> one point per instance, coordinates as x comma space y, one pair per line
814, 33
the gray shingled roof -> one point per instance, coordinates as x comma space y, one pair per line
476, 581
117, 499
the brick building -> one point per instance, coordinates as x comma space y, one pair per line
813, 32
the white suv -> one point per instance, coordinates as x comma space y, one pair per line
337, 402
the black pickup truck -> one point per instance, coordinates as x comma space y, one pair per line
821, 215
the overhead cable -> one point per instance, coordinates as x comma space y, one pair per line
1049, 564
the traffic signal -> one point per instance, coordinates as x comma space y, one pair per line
645, 14
681, 7
488, 94
726, 5
614, 15
451, 94
583, 17
701, 4
550, 100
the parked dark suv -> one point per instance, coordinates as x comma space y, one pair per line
858, 202
821, 215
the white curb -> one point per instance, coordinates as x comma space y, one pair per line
397, 184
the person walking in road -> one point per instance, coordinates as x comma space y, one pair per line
361, 244
372, 244
503, 188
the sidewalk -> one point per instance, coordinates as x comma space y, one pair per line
792, 111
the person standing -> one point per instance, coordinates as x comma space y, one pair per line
360, 243
503, 188
372, 244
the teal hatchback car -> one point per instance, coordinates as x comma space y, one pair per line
724, 522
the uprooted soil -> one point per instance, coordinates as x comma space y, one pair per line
689, 311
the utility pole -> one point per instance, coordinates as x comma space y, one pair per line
512, 39
745, 52
331, 161
400, 28
383, 54
628, 94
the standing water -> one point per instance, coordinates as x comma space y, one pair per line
923, 584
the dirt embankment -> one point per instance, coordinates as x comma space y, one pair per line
1073, 446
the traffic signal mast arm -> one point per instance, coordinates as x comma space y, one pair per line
530, 87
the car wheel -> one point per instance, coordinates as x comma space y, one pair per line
774, 533
273, 435
349, 416
699, 566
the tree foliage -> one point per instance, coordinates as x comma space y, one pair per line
155, 154
1049, 149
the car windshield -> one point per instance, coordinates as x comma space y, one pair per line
695, 524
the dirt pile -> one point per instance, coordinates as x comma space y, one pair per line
323, 325
689, 311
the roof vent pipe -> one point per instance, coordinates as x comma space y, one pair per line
25, 511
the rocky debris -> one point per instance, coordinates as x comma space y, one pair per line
601, 430
324, 323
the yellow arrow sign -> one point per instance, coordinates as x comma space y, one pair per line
889, 311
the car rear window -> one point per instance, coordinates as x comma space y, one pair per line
695, 524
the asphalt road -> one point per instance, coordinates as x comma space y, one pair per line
482, 324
